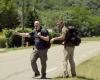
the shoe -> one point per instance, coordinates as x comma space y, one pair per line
66, 76
36, 75
43, 77
73, 75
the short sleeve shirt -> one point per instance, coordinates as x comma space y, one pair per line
39, 43
64, 30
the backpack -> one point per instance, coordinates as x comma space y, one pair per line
72, 36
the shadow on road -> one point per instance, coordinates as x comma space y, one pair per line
78, 77
42, 79
83, 77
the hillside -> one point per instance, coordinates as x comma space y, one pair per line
85, 14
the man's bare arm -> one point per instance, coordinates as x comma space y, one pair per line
62, 37
44, 38
23, 34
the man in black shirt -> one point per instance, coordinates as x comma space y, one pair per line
41, 37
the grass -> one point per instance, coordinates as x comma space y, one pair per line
12, 49
84, 40
89, 70
5, 50
91, 39
1, 33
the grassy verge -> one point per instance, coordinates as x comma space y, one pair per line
91, 39
84, 40
1, 33
5, 50
89, 70
12, 49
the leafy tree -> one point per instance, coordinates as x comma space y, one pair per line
31, 16
9, 17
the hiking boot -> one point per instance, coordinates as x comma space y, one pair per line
36, 75
73, 75
43, 77
65, 75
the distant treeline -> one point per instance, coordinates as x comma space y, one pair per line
84, 14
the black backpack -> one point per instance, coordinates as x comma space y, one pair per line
72, 36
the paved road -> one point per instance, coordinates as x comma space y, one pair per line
15, 65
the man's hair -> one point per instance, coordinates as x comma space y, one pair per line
37, 22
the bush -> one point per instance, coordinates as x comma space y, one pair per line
8, 32
9, 16
57, 42
17, 40
25, 30
9, 37
55, 34
2, 42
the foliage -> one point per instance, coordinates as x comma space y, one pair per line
9, 17
94, 38
2, 42
28, 13
25, 30
50, 18
55, 34
9, 36
81, 13
31, 16
88, 70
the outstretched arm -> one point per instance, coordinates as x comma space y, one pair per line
23, 34
62, 37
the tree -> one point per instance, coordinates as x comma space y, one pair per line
31, 16
9, 17
77, 16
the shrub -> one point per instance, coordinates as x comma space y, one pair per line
55, 34
17, 40
2, 42
9, 37
25, 30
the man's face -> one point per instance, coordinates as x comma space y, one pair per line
37, 25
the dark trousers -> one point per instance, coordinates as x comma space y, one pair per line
42, 54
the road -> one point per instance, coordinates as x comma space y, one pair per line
15, 65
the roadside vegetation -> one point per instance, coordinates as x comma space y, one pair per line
88, 70
17, 15
91, 38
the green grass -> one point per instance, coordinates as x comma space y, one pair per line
84, 40
12, 49
91, 39
20, 48
1, 33
89, 70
